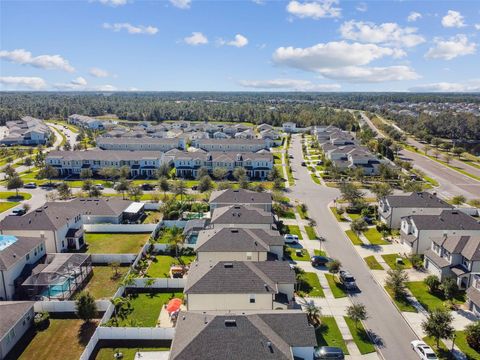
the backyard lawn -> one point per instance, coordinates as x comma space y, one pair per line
128, 353
391, 259
292, 253
310, 285
147, 307
107, 243
153, 217
337, 288
294, 230
402, 304
328, 334
161, 268
462, 344
64, 339
312, 235
431, 301
104, 283
372, 263
360, 336
374, 237
354, 237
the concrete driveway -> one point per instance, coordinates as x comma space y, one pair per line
390, 328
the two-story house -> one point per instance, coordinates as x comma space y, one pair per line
235, 145
139, 144
416, 231
289, 127
229, 197
15, 320
237, 216
473, 295
86, 122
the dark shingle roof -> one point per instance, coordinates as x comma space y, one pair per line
237, 214
447, 220
16, 251
474, 295
417, 200
238, 277
241, 336
240, 196
11, 312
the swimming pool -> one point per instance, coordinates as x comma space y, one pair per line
192, 239
57, 289
6, 241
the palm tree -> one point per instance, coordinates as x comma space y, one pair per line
314, 314
121, 308
175, 236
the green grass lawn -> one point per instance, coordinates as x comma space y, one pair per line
292, 253
390, 259
315, 179
310, 285
431, 301
288, 214
153, 217
104, 283
360, 336
303, 214
372, 263
4, 206
128, 353
64, 339
161, 268
106, 243
354, 237
374, 237
337, 288
337, 216
294, 230
461, 342
355, 216
320, 252
5, 195
328, 334
442, 352
402, 304
147, 307
312, 235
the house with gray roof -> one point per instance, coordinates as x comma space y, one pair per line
15, 320
86, 122
284, 335
473, 295
239, 244
239, 216
392, 208
416, 231
26, 131
229, 197
454, 256
138, 144
17, 252
239, 285
235, 145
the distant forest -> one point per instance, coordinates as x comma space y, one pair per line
273, 108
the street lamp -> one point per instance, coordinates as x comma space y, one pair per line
453, 341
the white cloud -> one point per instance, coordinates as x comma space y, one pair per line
314, 9
197, 38
468, 86
99, 73
24, 57
239, 41
358, 74
113, 3
23, 82
288, 84
106, 87
386, 33
78, 83
332, 55
477, 26
448, 49
362, 7
259, 2
453, 19
131, 29
414, 16
181, 4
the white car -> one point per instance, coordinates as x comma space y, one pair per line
423, 350
290, 239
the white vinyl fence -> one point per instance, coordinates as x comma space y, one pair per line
112, 258
65, 306
119, 228
160, 283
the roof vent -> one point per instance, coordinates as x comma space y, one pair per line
236, 207
230, 323
270, 347
455, 212
234, 231
228, 265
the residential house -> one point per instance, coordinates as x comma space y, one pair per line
416, 231
264, 127
15, 254
454, 256
15, 320
26, 131
284, 335
220, 135
473, 295
232, 244
144, 143
247, 134
392, 208
233, 145
229, 197
239, 285
139, 163
86, 122
289, 127
238, 216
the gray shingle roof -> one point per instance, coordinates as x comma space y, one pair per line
238, 277
16, 251
237, 214
240, 336
447, 220
100, 155
240, 197
11, 312
417, 200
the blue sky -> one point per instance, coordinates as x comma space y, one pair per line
183, 45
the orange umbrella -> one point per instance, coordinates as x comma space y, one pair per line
174, 305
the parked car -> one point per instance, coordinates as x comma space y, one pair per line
99, 187
290, 239
290, 156
320, 162
319, 260
347, 280
424, 351
195, 187
147, 187
18, 212
303, 163
30, 185
328, 352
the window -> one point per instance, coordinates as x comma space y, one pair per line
466, 263
28, 257
249, 255
252, 299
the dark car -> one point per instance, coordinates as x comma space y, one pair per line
30, 185
328, 352
319, 260
194, 187
18, 212
303, 163
147, 187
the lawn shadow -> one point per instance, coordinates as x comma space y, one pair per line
374, 248
376, 339
85, 332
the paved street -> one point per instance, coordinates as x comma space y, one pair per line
392, 331
451, 182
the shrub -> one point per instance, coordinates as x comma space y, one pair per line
432, 282
472, 334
